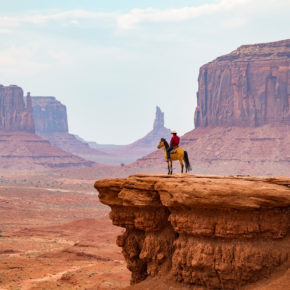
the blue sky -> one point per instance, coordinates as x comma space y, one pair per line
111, 62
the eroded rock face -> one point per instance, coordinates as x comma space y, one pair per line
15, 115
50, 115
206, 232
248, 87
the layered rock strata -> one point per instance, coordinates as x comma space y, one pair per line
201, 232
15, 115
248, 87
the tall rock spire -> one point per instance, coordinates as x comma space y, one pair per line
159, 120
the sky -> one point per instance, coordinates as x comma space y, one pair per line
112, 62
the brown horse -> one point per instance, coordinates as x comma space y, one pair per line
178, 154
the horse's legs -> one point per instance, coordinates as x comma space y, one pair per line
170, 167
181, 164
168, 164
185, 166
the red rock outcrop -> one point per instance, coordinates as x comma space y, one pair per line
15, 115
201, 232
248, 87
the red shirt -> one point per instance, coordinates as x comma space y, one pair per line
174, 140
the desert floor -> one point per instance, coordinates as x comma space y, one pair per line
55, 234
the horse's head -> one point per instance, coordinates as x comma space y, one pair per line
161, 143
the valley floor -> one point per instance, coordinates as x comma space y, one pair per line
57, 235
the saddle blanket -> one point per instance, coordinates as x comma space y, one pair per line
174, 150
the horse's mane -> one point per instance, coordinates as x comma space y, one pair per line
165, 142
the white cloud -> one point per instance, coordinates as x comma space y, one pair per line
37, 18
235, 22
135, 16
22, 60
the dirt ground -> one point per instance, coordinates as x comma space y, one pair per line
55, 234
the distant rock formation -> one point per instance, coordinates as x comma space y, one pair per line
242, 117
248, 87
129, 153
201, 232
159, 120
51, 123
15, 115
20, 147
49, 115
153, 137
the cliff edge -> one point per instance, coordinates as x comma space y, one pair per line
206, 232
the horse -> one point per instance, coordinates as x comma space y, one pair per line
177, 154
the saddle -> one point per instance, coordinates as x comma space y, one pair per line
174, 150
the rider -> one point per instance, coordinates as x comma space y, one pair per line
173, 143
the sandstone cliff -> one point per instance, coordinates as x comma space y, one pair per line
49, 115
248, 87
15, 115
202, 232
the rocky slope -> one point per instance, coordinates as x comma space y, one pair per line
27, 151
242, 117
20, 148
51, 123
205, 232
263, 151
15, 115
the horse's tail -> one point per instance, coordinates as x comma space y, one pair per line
186, 160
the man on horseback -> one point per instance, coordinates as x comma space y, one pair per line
174, 142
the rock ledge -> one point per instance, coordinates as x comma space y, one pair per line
209, 232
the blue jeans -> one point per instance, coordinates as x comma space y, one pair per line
168, 151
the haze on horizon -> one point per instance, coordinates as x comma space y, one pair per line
111, 62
